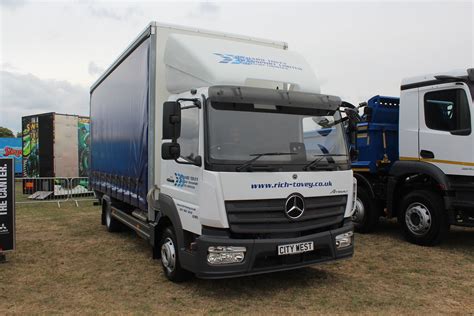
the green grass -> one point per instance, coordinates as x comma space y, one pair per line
66, 262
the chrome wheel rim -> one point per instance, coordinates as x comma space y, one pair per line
359, 212
418, 219
168, 255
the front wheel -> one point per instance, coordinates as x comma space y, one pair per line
170, 257
423, 218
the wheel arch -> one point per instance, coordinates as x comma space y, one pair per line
364, 182
168, 215
402, 170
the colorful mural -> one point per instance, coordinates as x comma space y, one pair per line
84, 145
11, 148
30, 146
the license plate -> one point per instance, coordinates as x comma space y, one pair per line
292, 249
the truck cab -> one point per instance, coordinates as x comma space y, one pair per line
419, 166
237, 163
243, 182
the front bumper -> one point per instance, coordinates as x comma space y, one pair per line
261, 255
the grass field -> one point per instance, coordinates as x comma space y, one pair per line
66, 262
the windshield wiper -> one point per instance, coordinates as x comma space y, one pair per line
257, 156
320, 157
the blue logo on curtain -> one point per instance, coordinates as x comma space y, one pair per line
254, 61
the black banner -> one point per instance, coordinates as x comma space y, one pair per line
7, 204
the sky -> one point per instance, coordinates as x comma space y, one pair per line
52, 52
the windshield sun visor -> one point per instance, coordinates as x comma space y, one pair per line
234, 94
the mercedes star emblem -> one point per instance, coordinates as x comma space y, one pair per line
294, 206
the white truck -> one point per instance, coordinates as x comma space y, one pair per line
416, 157
220, 150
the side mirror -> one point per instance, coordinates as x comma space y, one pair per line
345, 104
368, 114
353, 154
171, 120
353, 115
170, 151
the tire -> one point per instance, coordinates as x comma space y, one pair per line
112, 224
170, 257
423, 218
366, 215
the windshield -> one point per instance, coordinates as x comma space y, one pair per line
292, 136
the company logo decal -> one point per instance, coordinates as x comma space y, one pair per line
10, 151
255, 61
286, 184
294, 206
184, 181
336, 191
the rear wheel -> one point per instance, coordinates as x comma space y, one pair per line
366, 214
423, 218
170, 257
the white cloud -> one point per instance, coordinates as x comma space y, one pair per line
205, 9
95, 69
356, 48
26, 94
208, 7
118, 13
8, 67
12, 4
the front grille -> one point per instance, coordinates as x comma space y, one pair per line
268, 216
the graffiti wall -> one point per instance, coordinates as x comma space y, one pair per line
84, 128
11, 148
30, 137
55, 145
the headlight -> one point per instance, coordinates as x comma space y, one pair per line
225, 254
344, 240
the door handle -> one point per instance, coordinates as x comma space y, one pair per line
427, 154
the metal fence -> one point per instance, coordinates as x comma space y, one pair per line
52, 190
80, 191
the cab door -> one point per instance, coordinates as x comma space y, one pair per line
180, 179
445, 128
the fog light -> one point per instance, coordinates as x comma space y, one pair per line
344, 240
225, 254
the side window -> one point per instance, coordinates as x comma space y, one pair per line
448, 110
189, 139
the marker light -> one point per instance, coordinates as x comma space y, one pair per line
354, 196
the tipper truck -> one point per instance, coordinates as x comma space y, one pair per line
222, 153
416, 156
